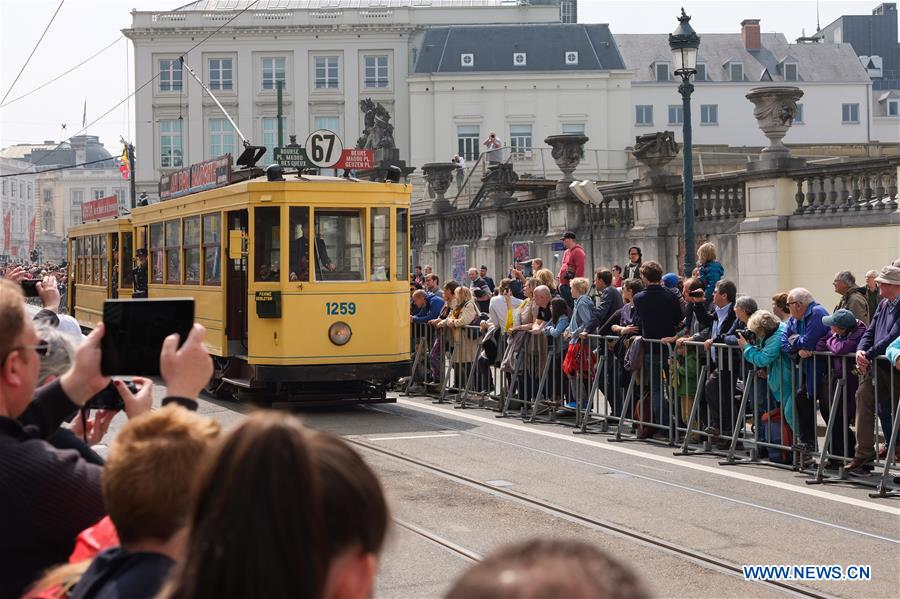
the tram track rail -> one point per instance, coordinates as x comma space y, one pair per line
556, 510
444, 543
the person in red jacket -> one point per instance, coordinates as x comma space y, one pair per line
572, 266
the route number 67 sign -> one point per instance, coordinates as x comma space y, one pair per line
324, 148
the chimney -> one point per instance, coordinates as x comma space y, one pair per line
750, 34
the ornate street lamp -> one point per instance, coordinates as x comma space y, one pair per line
684, 43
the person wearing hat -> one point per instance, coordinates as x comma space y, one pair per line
842, 340
573, 260
670, 282
139, 274
883, 329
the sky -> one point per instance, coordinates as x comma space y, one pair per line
84, 27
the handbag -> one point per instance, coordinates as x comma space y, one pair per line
578, 358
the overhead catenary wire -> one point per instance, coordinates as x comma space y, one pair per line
61, 75
149, 81
58, 168
33, 50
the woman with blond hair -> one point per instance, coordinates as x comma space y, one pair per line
546, 278
464, 343
709, 270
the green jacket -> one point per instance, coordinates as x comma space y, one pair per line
767, 354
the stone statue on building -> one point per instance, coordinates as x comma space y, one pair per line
661, 144
378, 133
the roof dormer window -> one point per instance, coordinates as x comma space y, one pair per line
791, 72
661, 71
571, 58
519, 59
467, 60
701, 72
735, 71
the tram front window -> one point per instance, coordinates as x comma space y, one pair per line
267, 246
338, 245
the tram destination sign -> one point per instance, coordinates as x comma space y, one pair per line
197, 177
292, 157
101, 208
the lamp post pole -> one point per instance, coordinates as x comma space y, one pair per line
686, 89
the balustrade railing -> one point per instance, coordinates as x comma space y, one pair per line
528, 220
719, 200
464, 227
616, 211
852, 187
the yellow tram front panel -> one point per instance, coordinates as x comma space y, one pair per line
351, 273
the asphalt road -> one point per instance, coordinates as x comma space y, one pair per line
462, 483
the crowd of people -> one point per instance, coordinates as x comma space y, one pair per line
180, 508
799, 351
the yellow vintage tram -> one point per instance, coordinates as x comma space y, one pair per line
302, 284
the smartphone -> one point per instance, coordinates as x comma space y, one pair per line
109, 398
29, 287
135, 330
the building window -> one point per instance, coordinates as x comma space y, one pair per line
98, 193
77, 201
573, 128
120, 197
48, 195
270, 135
701, 72
643, 114
221, 137
567, 12
893, 108
520, 141
377, 74
676, 114
467, 60
326, 72
221, 74
272, 72
468, 142
332, 123
170, 75
790, 72
798, 115
709, 114
170, 152
849, 113
736, 71
662, 71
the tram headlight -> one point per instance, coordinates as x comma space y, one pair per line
339, 333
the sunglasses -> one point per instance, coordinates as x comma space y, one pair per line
41, 348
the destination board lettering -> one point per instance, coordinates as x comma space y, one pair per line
356, 159
101, 208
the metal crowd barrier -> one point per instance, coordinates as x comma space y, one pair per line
792, 413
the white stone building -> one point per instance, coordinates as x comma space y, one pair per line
834, 109
16, 209
525, 82
329, 55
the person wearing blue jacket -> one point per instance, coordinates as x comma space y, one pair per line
800, 337
428, 306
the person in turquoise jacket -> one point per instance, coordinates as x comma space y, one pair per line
893, 353
766, 353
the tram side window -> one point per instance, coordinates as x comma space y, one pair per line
125, 259
299, 244
173, 252
338, 245
157, 241
267, 243
211, 249
402, 241
380, 242
92, 260
79, 261
103, 260
192, 250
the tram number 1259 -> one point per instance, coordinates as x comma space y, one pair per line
340, 308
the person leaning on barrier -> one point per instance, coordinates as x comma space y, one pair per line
800, 337
58, 492
465, 346
548, 569
725, 368
882, 330
853, 298
502, 308
763, 351
432, 283
608, 302
428, 307
780, 307
697, 319
320, 517
842, 340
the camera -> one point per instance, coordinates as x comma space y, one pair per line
748, 336
29, 287
109, 398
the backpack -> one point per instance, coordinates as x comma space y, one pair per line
773, 429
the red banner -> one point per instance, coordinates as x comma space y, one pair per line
356, 159
31, 234
98, 209
7, 224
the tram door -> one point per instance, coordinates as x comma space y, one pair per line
236, 286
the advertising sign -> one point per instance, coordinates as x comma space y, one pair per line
98, 209
459, 262
197, 177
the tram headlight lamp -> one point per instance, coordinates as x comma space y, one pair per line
339, 333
